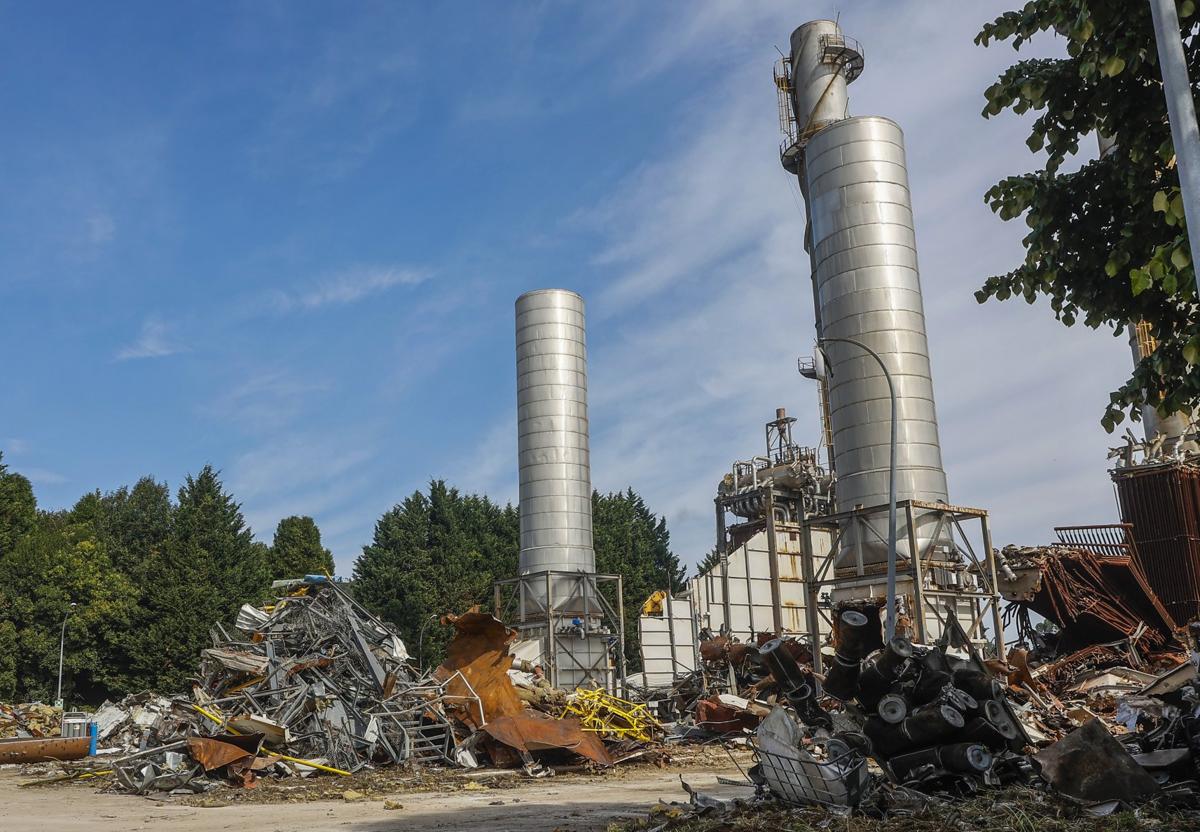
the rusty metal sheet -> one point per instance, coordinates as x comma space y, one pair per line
214, 754
530, 731
720, 718
479, 651
43, 750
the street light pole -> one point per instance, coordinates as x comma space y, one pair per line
891, 572
1181, 109
62, 640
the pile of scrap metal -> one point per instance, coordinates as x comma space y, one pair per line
729, 694
1094, 596
315, 683
940, 721
932, 719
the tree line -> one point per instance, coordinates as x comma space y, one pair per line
140, 576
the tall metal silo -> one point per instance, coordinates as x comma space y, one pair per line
552, 433
866, 285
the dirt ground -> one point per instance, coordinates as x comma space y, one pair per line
579, 803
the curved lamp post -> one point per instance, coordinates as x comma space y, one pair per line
820, 371
62, 640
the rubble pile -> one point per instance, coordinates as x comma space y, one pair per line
315, 683
30, 719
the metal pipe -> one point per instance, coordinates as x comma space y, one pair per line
62, 640
891, 563
1181, 109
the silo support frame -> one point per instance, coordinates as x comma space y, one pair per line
513, 595
824, 575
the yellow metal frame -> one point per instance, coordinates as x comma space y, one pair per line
603, 713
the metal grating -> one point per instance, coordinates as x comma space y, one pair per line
1108, 541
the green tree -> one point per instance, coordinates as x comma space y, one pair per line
18, 508
57, 563
297, 549
1107, 243
210, 565
434, 554
134, 526
633, 542
711, 559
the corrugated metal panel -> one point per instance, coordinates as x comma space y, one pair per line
1162, 502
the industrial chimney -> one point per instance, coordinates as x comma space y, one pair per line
866, 286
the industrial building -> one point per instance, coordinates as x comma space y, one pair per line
810, 536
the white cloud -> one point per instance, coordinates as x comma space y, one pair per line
349, 286
42, 476
14, 446
100, 228
266, 400
155, 341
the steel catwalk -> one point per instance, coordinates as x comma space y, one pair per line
552, 433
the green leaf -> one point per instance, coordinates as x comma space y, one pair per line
1187, 8
1139, 281
1191, 351
1161, 203
1177, 206
1113, 66
1180, 258
1111, 267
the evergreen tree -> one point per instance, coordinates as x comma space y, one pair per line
297, 549
633, 542
432, 555
209, 567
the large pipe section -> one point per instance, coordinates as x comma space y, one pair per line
552, 434
867, 287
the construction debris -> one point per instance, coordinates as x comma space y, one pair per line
31, 719
1094, 598
1090, 765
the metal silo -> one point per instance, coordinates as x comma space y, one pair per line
866, 284
552, 433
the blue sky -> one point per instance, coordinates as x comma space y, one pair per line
285, 238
